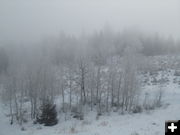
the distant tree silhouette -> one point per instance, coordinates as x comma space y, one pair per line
3, 60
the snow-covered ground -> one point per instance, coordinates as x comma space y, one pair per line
145, 123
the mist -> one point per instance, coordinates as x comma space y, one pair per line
34, 20
90, 67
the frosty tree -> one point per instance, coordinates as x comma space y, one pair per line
48, 115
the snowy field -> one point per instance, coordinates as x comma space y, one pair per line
146, 123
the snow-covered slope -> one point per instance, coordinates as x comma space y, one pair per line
145, 123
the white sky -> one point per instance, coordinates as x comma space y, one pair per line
26, 20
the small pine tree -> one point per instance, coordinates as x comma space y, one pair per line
48, 115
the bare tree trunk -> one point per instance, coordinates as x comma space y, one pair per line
99, 103
70, 94
118, 94
20, 109
83, 87
11, 109
83, 72
62, 88
107, 99
112, 91
98, 83
91, 99
17, 108
34, 107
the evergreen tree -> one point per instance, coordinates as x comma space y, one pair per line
48, 115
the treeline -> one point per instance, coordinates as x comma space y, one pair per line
95, 72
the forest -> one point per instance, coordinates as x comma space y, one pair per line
74, 75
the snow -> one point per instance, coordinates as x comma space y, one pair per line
145, 123
5, 127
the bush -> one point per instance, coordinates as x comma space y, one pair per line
48, 115
23, 129
79, 116
137, 109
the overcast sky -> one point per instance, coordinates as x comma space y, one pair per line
25, 20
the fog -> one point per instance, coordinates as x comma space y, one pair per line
33, 20
62, 61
